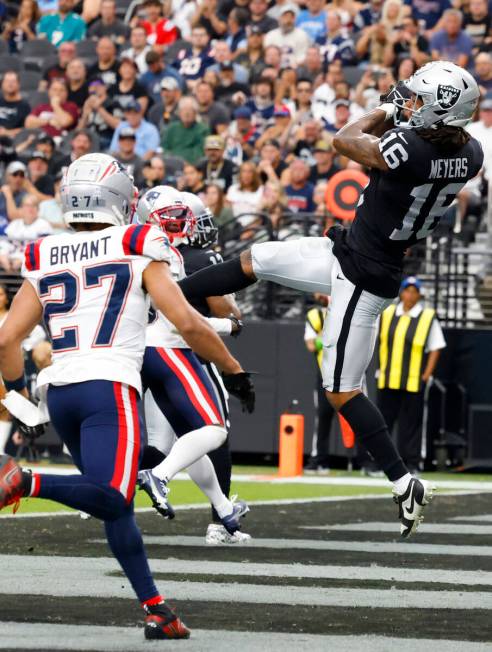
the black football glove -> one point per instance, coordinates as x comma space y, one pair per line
241, 386
237, 326
30, 432
398, 90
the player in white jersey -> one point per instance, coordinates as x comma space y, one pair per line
91, 289
180, 401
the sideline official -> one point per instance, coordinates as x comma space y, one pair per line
410, 341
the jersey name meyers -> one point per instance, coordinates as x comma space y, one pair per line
452, 168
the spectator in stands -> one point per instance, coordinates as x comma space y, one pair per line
407, 42
46, 145
325, 166
261, 103
477, 22
342, 115
208, 15
222, 54
191, 180
214, 199
154, 173
80, 146
98, 113
215, 168
452, 43
139, 48
157, 71
245, 195
11, 193
39, 182
185, 137
287, 36
324, 94
369, 15
25, 228
227, 87
253, 58
305, 140
106, 67
128, 89
312, 66
56, 117
373, 44
243, 133
23, 27
483, 71
127, 156
13, 109
161, 32
312, 20
146, 134
211, 113
393, 14
271, 166
430, 13
259, 17
66, 52
274, 202
109, 24
78, 88
62, 26
236, 29
336, 44
299, 190
193, 62
166, 110
280, 130
303, 101
482, 131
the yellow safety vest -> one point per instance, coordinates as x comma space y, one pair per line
402, 343
316, 318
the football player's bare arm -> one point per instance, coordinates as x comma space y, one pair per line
25, 312
358, 141
168, 298
223, 306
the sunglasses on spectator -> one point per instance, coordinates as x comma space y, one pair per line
18, 174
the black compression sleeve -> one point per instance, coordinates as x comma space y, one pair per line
216, 280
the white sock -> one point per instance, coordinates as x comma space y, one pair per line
188, 449
5, 427
203, 474
401, 484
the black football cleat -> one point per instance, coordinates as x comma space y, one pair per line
411, 504
11, 482
162, 623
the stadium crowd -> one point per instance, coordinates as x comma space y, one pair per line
234, 100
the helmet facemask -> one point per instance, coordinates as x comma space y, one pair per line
177, 222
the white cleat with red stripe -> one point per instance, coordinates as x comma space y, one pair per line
157, 490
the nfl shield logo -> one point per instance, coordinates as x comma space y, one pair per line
447, 96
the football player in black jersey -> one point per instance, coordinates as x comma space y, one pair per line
419, 158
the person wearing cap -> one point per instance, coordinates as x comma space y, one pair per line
39, 182
287, 36
252, 60
342, 115
215, 168
11, 193
98, 113
165, 110
146, 134
127, 156
56, 117
185, 137
108, 24
410, 342
13, 109
228, 88
128, 89
243, 134
156, 73
325, 167
224, 59
259, 19
280, 130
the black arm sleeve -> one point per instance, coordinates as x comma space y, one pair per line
216, 280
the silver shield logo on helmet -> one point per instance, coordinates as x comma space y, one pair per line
447, 96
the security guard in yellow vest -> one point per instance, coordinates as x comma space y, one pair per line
410, 340
315, 318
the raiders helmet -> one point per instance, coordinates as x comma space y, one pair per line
164, 207
96, 189
449, 94
205, 233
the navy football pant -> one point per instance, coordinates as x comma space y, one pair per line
100, 423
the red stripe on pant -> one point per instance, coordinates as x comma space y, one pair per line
197, 379
35, 485
186, 385
119, 466
136, 446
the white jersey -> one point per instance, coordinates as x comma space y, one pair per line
90, 287
160, 331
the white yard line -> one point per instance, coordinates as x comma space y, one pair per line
425, 528
33, 636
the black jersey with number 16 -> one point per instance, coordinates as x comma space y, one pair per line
400, 206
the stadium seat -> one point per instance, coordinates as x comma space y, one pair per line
122, 8
37, 48
10, 62
35, 97
171, 53
23, 135
3, 47
86, 50
352, 75
173, 165
29, 80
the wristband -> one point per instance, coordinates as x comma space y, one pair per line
318, 343
388, 108
17, 385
